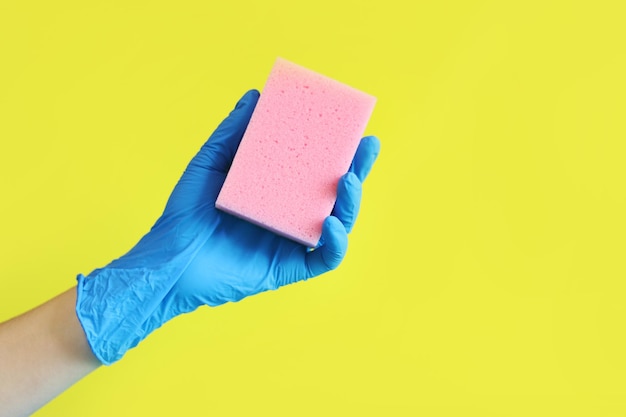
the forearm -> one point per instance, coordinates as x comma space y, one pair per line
42, 353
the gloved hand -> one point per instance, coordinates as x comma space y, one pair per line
196, 255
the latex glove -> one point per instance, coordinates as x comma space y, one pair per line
197, 255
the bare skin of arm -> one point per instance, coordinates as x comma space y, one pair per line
42, 353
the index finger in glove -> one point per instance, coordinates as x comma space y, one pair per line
365, 156
219, 150
348, 202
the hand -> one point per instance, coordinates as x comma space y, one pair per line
196, 255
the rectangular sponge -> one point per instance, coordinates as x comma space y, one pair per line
301, 139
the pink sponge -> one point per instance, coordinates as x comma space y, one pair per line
300, 140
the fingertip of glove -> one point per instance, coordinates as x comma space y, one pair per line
330, 228
366, 155
349, 193
373, 143
335, 241
330, 253
331, 224
247, 98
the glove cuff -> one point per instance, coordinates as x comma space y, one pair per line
117, 309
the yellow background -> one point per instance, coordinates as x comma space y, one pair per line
486, 274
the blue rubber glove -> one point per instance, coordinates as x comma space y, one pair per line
197, 255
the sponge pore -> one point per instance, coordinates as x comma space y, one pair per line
301, 139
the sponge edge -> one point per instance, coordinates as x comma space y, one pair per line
301, 139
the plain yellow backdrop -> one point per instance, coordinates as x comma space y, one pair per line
486, 273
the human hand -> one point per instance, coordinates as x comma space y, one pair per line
196, 255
